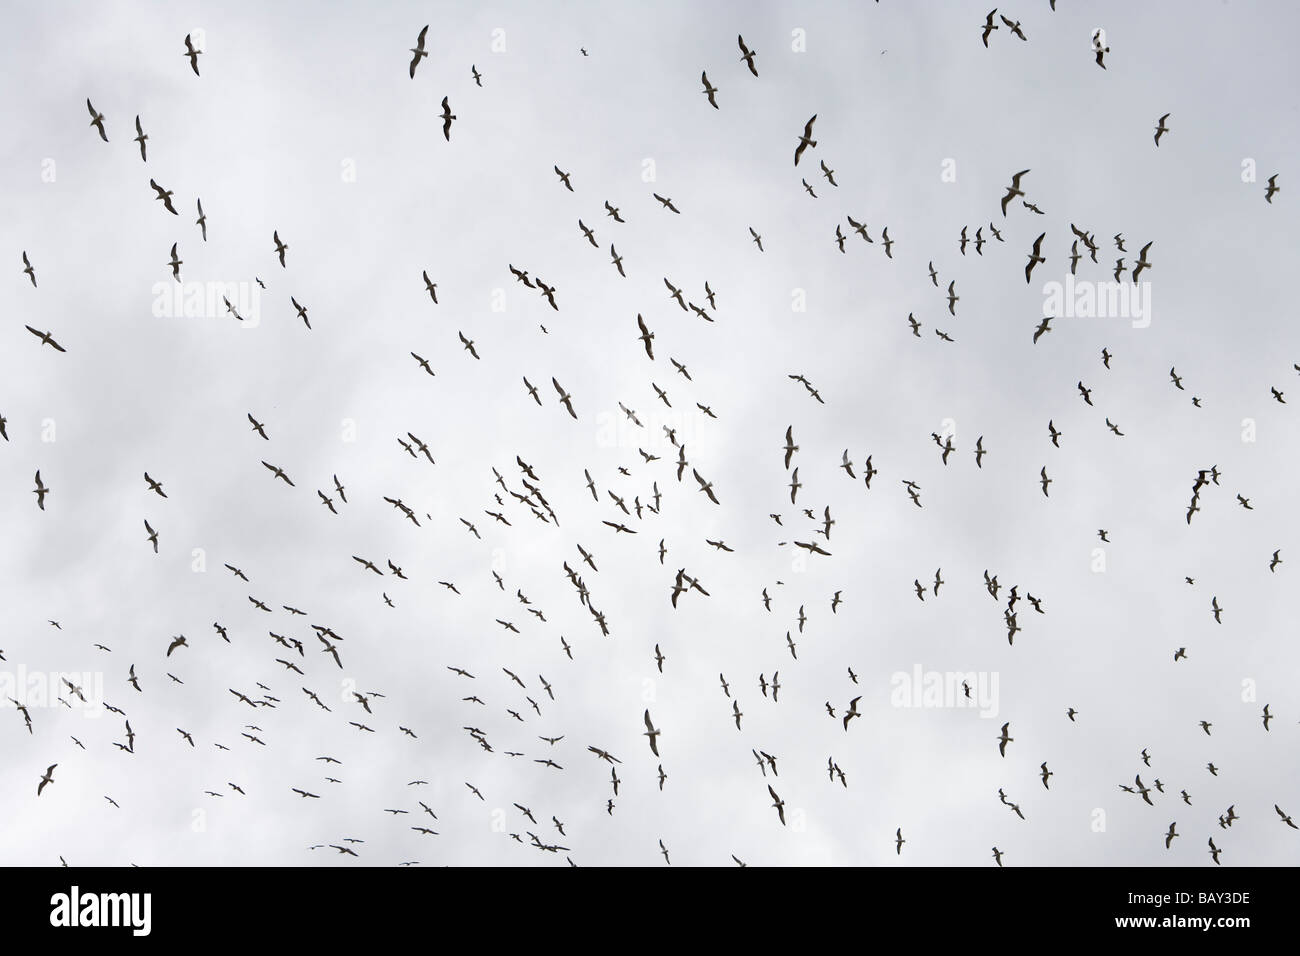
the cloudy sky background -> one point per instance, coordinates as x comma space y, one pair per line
295, 99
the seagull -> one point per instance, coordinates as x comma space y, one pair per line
1169, 837
1004, 740
302, 314
847, 465
805, 140
778, 803
1143, 791
153, 538
447, 117
97, 121
468, 343
565, 398
1014, 27
165, 195
28, 270
40, 492
1142, 262
47, 778
1014, 189
1034, 257
1102, 51
1285, 819
989, 27
709, 90
852, 711
192, 53
1273, 187
705, 486
650, 730
747, 55
140, 137
419, 51
1045, 481
1161, 128
47, 338
279, 473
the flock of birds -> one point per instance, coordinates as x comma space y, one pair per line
625, 514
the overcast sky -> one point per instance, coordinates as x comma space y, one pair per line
305, 122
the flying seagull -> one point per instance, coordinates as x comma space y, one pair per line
97, 121
777, 802
165, 195
565, 398
1161, 128
1272, 188
46, 338
651, 732
140, 137
1034, 257
746, 55
419, 51
192, 53
709, 90
805, 140
989, 27
1013, 190
447, 117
